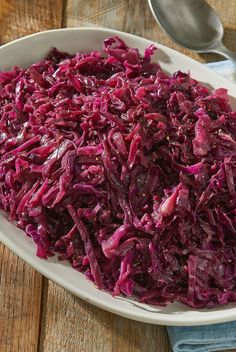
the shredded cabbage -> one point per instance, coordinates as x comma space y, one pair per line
125, 171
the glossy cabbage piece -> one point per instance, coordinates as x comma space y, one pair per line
124, 171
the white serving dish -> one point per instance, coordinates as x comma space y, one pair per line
27, 50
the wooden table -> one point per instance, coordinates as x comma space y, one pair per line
35, 313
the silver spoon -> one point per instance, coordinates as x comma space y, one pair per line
193, 24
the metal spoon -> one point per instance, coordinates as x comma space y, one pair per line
193, 24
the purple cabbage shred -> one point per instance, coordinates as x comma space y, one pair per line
125, 171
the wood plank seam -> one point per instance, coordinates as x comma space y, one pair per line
44, 293
63, 15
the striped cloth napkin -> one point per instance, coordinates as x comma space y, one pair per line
225, 68
215, 337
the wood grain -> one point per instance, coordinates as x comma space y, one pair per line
135, 17
37, 315
69, 324
21, 17
20, 297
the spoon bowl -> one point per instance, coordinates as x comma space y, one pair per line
192, 24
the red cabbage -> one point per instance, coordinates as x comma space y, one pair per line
125, 171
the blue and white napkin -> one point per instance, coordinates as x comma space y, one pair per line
209, 338
225, 68
206, 338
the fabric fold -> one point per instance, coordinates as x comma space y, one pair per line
203, 338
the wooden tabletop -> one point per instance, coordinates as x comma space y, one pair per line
35, 313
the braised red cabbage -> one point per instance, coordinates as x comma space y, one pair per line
125, 171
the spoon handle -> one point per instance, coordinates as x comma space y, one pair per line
222, 50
